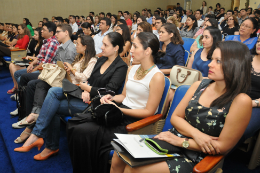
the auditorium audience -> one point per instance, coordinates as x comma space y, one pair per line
139, 20
198, 15
247, 33
204, 8
87, 29
223, 20
217, 9
232, 27
159, 21
134, 24
222, 97
173, 20
200, 58
29, 25
243, 16
190, 27
96, 24
128, 20
113, 23
73, 24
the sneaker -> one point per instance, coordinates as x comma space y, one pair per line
16, 125
13, 97
15, 112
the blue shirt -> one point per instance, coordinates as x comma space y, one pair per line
150, 20
199, 64
174, 55
250, 42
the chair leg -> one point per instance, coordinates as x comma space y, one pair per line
255, 158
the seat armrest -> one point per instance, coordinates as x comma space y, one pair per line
207, 163
13, 50
40, 68
143, 122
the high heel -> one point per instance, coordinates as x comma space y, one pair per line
37, 143
39, 157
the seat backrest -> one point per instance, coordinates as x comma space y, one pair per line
228, 36
166, 90
187, 43
179, 94
120, 90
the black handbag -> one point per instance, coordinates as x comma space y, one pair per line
71, 89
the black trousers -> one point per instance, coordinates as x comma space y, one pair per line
4, 51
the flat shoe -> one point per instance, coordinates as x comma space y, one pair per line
19, 140
16, 125
39, 157
38, 143
25, 123
15, 112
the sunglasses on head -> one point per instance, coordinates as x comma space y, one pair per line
104, 91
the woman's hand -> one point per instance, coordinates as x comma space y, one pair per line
83, 86
206, 143
85, 96
106, 98
68, 66
30, 68
169, 137
110, 102
254, 103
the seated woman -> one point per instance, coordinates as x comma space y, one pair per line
139, 20
89, 19
232, 27
190, 27
40, 24
80, 71
170, 44
197, 43
209, 113
35, 51
124, 31
109, 72
174, 21
247, 33
140, 98
35, 44
96, 24
87, 29
200, 58
113, 23
29, 25
12, 39
134, 24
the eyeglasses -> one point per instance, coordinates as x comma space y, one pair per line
104, 91
58, 31
248, 27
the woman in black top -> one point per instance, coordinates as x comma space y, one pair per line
232, 27
35, 43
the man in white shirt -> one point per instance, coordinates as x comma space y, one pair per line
73, 24
98, 38
198, 15
159, 21
120, 14
188, 12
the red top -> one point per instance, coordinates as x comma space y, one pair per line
129, 22
22, 43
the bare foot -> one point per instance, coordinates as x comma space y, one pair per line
45, 152
30, 140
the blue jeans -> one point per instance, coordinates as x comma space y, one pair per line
19, 73
48, 123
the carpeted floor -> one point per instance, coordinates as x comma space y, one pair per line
11, 161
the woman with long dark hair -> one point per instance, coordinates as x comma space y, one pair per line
211, 117
87, 29
190, 27
29, 25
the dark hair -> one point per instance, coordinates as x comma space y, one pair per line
194, 24
82, 17
231, 11
109, 14
143, 18
218, 4
211, 7
137, 15
125, 32
235, 20
171, 28
102, 13
201, 12
40, 40
116, 39
257, 11
253, 51
216, 35
2, 24
213, 22
46, 19
242, 9
60, 19
92, 12
15, 25
236, 66
108, 21
65, 27
162, 19
127, 12
222, 8
51, 27
74, 17
115, 16
205, 3
66, 20
91, 18
26, 31
77, 17
120, 12
122, 21
90, 51
27, 21
146, 27
255, 26
148, 39
251, 10
178, 3
210, 16
87, 25
236, 10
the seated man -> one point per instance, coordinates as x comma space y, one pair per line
159, 21
73, 24
98, 38
128, 20
198, 15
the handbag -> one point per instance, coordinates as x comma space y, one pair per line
71, 89
181, 75
52, 74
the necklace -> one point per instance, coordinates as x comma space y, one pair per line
141, 73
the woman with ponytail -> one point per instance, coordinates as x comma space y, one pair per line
140, 98
29, 25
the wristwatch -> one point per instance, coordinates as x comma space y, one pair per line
257, 103
185, 143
